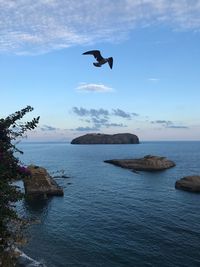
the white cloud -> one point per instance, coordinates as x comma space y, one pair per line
92, 87
40, 26
154, 80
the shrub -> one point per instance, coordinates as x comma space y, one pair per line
11, 129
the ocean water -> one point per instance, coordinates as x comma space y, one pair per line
112, 217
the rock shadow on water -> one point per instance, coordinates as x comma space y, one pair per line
36, 205
36, 209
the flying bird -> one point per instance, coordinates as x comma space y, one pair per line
99, 58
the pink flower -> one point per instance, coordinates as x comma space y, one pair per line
24, 170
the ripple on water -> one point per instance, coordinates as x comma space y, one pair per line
112, 217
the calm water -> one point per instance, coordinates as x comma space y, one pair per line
110, 216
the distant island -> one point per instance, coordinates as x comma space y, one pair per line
97, 138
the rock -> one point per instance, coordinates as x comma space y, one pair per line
41, 183
61, 176
148, 163
123, 138
189, 183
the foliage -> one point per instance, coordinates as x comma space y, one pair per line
10, 169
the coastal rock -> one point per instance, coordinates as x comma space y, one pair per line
41, 183
148, 163
189, 183
123, 138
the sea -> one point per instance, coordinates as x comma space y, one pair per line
110, 216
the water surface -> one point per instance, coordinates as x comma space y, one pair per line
110, 216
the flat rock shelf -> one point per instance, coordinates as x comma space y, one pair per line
148, 163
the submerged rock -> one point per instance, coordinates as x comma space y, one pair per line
123, 138
189, 183
60, 176
40, 183
148, 163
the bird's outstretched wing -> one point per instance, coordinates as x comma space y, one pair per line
95, 53
110, 62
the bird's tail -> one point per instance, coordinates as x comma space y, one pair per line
110, 62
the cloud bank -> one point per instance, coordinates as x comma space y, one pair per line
90, 112
120, 113
40, 26
169, 124
48, 128
98, 118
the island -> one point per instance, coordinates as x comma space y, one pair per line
147, 163
189, 183
97, 138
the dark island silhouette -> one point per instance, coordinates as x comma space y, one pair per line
97, 138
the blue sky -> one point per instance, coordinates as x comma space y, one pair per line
152, 91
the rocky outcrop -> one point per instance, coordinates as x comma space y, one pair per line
123, 138
189, 183
148, 163
40, 183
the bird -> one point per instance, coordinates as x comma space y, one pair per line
99, 58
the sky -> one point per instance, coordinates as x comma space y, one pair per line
152, 91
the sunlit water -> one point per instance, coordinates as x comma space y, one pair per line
112, 217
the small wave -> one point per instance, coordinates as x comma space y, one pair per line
25, 261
